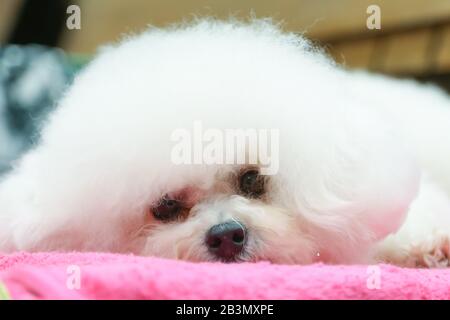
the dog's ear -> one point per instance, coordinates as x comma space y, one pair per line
387, 181
19, 219
355, 179
7, 215
391, 185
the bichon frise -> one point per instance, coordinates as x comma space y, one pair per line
359, 164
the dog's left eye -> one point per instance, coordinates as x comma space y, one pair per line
167, 210
251, 184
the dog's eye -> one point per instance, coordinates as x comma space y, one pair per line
251, 184
167, 210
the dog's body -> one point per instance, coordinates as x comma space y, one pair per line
357, 152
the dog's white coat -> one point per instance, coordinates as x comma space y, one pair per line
359, 153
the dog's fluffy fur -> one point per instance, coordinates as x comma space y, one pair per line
359, 153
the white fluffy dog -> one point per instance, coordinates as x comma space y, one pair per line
364, 160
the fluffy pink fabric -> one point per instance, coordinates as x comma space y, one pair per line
109, 276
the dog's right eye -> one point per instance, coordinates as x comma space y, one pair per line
168, 210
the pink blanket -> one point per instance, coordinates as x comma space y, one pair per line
109, 276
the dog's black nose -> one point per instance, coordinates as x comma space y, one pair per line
226, 240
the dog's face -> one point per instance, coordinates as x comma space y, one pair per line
229, 214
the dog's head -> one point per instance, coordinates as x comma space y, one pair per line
104, 176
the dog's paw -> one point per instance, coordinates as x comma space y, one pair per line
434, 253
